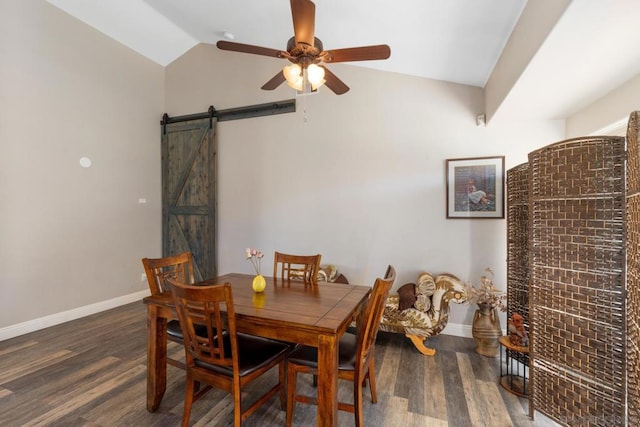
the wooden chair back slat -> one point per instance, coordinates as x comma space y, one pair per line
201, 306
158, 270
372, 316
296, 267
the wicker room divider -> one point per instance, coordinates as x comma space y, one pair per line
633, 268
577, 261
517, 238
517, 248
575, 244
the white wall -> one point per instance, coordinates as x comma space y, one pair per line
72, 237
617, 105
362, 180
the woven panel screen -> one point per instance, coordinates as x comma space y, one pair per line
633, 267
577, 261
518, 246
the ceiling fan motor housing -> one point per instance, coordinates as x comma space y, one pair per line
303, 53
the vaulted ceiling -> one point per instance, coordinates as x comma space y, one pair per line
593, 47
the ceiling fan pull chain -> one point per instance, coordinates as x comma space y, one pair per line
304, 109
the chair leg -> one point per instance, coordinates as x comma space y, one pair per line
282, 378
188, 401
237, 406
357, 402
292, 377
371, 373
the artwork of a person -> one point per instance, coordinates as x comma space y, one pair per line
475, 196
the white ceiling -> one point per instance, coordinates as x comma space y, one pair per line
593, 48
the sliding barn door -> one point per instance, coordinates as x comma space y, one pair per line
189, 192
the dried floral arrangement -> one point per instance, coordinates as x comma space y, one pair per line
487, 293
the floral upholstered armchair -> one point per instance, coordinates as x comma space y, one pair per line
329, 273
421, 310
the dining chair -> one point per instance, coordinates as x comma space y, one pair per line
356, 355
158, 270
227, 360
298, 267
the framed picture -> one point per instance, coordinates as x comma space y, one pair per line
475, 187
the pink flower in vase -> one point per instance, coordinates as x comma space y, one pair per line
254, 255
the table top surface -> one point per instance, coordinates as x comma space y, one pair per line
322, 308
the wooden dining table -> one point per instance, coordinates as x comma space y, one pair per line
287, 310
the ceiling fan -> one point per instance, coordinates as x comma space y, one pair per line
305, 52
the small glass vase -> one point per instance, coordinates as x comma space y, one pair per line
259, 283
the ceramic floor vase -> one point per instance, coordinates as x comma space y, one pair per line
486, 330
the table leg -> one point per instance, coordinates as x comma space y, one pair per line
327, 381
156, 357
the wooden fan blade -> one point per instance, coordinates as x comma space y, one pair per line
334, 83
276, 81
303, 13
247, 48
364, 53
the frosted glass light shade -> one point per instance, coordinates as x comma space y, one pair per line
315, 74
301, 80
293, 75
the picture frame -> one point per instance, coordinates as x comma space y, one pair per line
475, 187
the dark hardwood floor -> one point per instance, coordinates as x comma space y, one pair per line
92, 371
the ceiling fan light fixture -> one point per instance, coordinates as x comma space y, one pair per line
314, 87
315, 74
298, 84
305, 51
304, 80
292, 73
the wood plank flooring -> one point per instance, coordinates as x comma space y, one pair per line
92, 371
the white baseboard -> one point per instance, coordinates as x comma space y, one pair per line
65, 316
458, 330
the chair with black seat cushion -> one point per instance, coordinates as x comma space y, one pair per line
157, 270
296, 267
356, 355
229, 360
